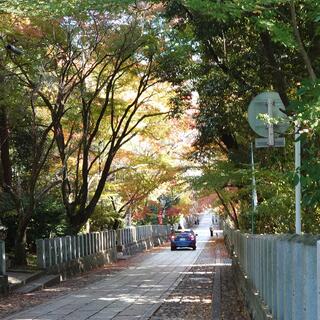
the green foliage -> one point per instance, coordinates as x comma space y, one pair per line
307, 108
59, 8
226, 51
275, 211
49, 220
244, 48
105, 218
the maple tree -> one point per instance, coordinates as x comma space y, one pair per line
94, 88
89, 78
26, 140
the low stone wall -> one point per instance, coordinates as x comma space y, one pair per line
142, 245
256, 307
99, 259
282, 271
83, 264
3, 278
71, 255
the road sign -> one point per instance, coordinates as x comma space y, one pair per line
268, 103
265, 142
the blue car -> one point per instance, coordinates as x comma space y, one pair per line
183, 239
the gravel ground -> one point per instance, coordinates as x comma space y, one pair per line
193, 296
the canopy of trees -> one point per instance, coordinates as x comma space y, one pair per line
99, 118
231, 51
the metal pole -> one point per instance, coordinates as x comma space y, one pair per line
254, 191
270, 105
297, 154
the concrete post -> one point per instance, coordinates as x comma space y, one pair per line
310, 283
95, 242
68, 248
111, 235
114, 239
269, 272
241, 251
55, 251
41, 254
64, 249
128, 233
118, 239
245, 267
60, 250
274, 275
51, 252
89, 247
297, 281
263, 267
135, 234
107, 239
102, 242
288, 275
74, 247
280, 281
250, 266
47, 252
260, 264
82, 245
91, 242
85, 244
317, 295
254, 261
249, 257
3, 258
99, 242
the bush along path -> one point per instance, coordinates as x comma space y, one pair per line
207, 291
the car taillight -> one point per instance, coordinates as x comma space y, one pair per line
191, 237
172, 237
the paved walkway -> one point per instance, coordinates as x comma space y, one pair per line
208, 291
134, 293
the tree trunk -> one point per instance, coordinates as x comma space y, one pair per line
303, 52
279, 79
233, 217
25, 215
20, 253
6, 177
78, 218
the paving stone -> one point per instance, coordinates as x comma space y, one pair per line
193, 297
181, 281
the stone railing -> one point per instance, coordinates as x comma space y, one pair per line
133, 239
72, 254
2, 258
51, 252
3, 276
282, 270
